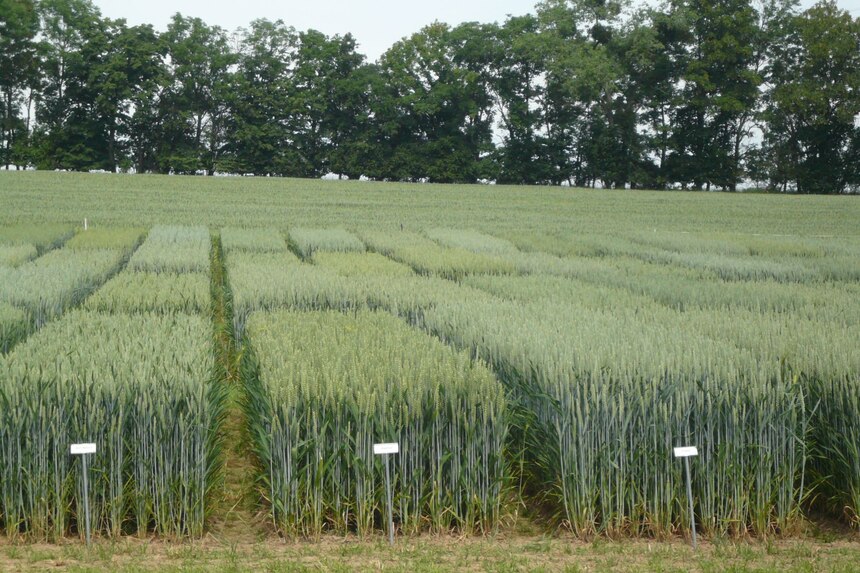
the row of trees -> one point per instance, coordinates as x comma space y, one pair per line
696, 94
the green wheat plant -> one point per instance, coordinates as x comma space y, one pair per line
428, 257
134, 292
615, 391
325, 386
143, 389
269, 281
690, 242
58, 280
14, 255
173, 249
14, 325
106, 238
361, 264
821, 355
472, 240
309, 241
268, 240
43, 236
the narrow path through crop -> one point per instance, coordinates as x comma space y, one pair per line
234, 517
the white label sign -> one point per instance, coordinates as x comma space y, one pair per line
83, 449
686, 452
386, 449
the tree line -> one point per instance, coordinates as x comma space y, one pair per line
696, 94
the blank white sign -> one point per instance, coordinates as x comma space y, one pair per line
83, 449
386, 449
686, 452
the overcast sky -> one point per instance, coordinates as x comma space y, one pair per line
376, 24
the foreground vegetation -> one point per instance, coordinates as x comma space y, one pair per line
528, 369
388, 383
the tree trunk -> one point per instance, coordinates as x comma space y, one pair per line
111, 148
663, 145
7, 125
212, 156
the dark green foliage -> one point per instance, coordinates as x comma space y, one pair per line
697, 94
19, 24
432, 109
184, 128
812, 143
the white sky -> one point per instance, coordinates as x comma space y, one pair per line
376, 24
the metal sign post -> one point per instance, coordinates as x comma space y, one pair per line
386, 450
85, 450
686, 453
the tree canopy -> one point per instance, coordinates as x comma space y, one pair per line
695, 94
